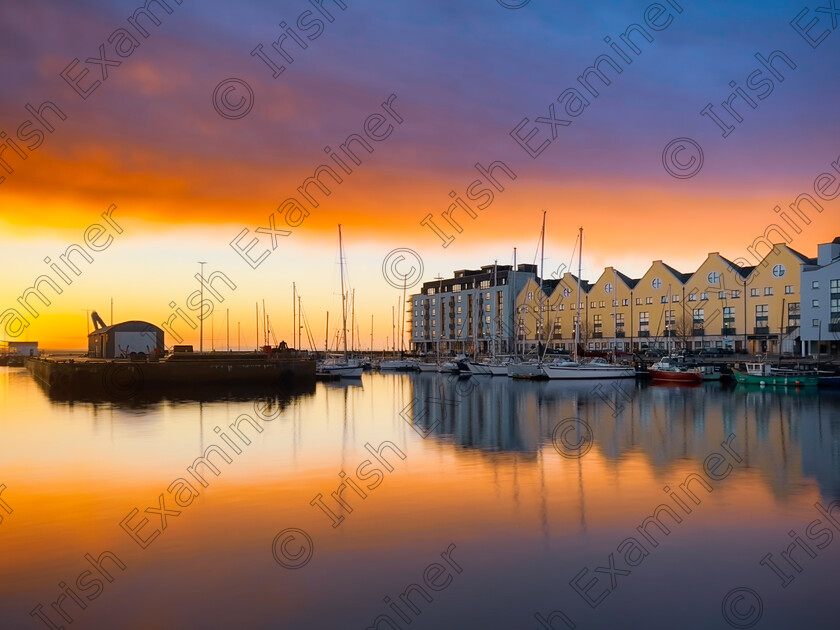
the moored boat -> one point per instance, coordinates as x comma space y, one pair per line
761, 373
596, 368
669, 371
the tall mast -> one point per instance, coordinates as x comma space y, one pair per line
402, 313
343, 296
542, 269
327, 336
294, 320
513, 326
577, 308
495, 315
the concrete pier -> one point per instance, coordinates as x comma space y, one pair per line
124, 378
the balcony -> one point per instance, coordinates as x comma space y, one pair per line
728, 331
791, 328
698, 332
644, 333
597, 335
834, 327
670, 333
762, 330
619, 334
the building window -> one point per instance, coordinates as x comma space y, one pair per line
753, 292
615, 303
430, 291
530, 295
815, 303
835, 286
456, 288
459, 309
736, 294
649, 300
460, 321
815, 323
434, 312
778, 271
789, 289
638, 301
762, 315
664, 299
768, 290
721, 295
561, 307
815, 284
670, 321
487, 320
729, 317
704, 296
592, 304
601, 304
713, 277
692, 297
625, 302
597, 325
459, 298
644, 322
699, 316
793, 314
675, 298
486, 308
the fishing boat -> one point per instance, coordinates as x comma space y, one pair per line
674, 372
762, 373
342, 367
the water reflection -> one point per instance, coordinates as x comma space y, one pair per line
785, 434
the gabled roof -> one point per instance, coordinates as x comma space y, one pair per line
682, 277
630, 282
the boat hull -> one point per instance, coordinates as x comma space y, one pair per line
691, 378
777, 380
486, 369
525, 370
582, 372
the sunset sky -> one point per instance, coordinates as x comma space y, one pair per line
186, 181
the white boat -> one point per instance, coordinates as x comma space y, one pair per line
398, 365
526, 369
488, 368
428, 366
596, 368
345, 368
449, 367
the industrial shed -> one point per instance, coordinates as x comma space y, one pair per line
121, 340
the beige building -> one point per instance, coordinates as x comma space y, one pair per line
718, 305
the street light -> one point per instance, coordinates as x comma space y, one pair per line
200, 315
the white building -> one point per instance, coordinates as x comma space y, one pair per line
820, 331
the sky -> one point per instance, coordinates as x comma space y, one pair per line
461, 77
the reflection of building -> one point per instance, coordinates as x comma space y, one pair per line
721, 304
821, 301
784, 436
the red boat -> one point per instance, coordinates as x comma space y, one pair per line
670, 372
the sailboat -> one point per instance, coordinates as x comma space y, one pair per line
343, 367
493, 366
533, 369
596, 368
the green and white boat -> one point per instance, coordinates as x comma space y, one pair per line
762, 373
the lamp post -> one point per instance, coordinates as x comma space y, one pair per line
201, 314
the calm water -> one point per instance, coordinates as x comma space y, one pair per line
488, 496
